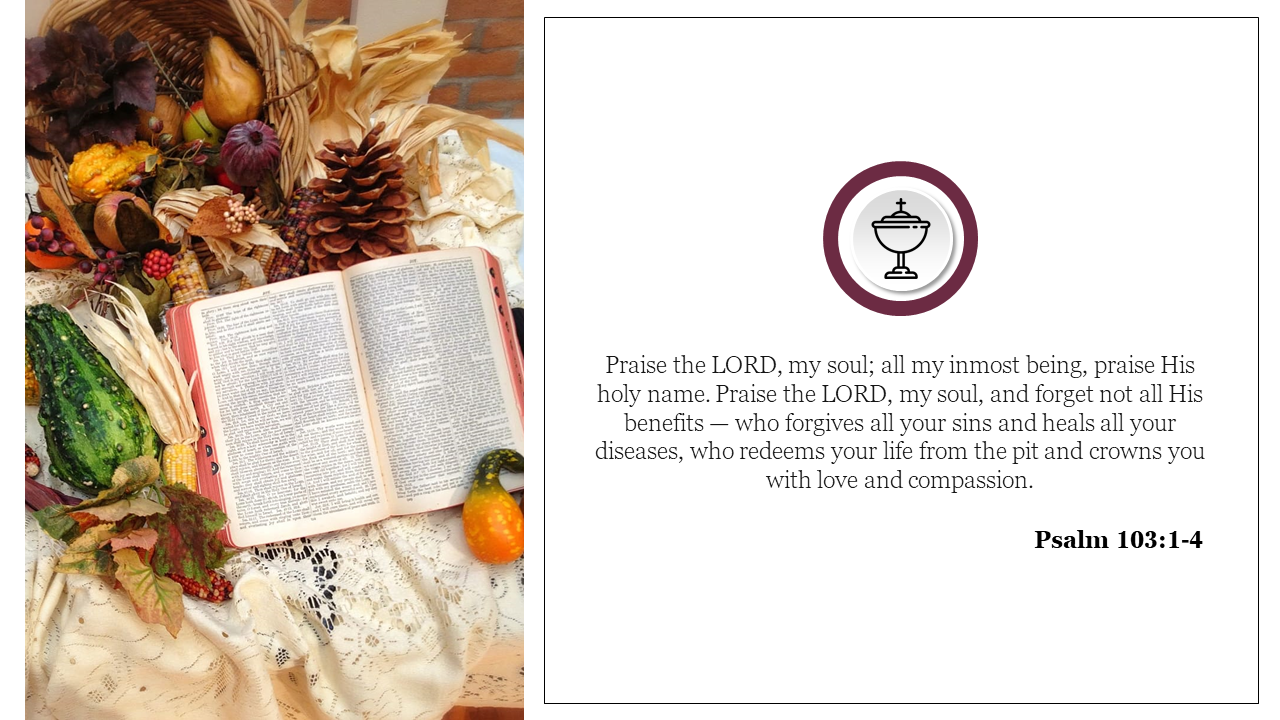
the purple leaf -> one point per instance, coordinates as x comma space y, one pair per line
120, 125
37, 71
135, 83
69, 94
128, 48
60, 137
78, 96
89, 86
96, 46
63, 54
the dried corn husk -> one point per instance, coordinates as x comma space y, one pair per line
418, 126
387, 78
146, 365
178, 210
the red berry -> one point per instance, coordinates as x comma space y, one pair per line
157, 263
219, 587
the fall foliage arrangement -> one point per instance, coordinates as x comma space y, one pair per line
183, 150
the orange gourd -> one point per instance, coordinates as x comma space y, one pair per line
491, 519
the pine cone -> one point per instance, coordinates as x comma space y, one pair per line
363, 212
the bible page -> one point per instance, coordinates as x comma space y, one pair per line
287, 411
437, 378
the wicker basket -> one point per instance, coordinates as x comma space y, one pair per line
177, 32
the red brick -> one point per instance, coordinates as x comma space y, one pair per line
445, 95
475, 64
328, 9
466, 32
489, 111
484, 91
503, 33
284, 7
461, 9
517, 111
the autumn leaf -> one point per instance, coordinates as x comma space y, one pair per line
85, 555
84, 519
210, 220
144, 538
117, 511
188, 543
156, 599
169, 177
129, 478
54, 521
137, 472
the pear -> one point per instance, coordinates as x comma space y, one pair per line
233, 89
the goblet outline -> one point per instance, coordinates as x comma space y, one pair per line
894, 224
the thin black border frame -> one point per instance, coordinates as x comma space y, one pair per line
1258, 352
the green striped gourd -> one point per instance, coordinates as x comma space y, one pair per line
92, 421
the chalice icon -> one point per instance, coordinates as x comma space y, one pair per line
900, 233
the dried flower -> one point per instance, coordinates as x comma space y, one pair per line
239, 216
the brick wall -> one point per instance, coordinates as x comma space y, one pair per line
489, 79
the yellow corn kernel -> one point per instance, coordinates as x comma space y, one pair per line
178, 463
186, 280
33, 387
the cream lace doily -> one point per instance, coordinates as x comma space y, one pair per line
391, 620
383, 621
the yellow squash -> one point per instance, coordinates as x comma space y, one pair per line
103, 168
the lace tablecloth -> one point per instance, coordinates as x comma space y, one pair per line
390, 620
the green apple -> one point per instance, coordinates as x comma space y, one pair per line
196, 125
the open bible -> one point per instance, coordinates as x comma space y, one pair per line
342, 398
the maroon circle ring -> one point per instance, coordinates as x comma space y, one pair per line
831, 238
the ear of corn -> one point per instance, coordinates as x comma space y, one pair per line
292, 264
261, 254
33, 386
186, 280
178, 463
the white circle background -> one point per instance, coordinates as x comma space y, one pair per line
860, 201
928, 261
